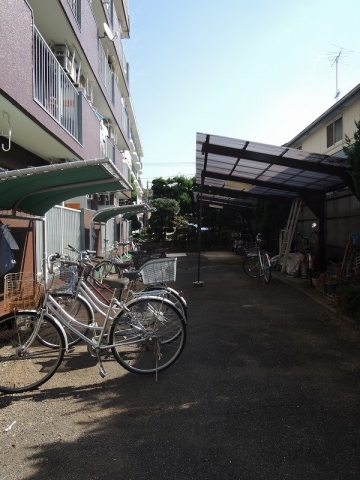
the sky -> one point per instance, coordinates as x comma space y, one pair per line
255, 70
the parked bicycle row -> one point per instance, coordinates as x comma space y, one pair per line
143, 321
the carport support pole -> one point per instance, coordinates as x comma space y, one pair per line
44, 245
199, 283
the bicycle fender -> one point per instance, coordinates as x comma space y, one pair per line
47, 315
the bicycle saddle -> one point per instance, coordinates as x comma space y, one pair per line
113, 281
120, 264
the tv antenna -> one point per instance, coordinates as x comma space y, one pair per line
334, 58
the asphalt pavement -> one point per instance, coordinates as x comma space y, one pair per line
267, 388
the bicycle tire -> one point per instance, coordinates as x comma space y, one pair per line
266, 267
252, 267
154, 347
24, 371
79, 309
103, 269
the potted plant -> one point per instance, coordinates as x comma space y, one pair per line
319, 282
331, 283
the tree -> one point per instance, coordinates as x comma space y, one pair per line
133, 191
178, 188
352, 151
163, 218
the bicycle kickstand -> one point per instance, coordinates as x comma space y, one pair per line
102, 372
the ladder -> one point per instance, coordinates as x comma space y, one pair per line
289, 232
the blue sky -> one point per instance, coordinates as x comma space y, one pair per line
257, 70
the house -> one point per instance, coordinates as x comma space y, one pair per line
65, 98
327, 135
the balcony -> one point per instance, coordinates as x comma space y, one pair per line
75, 6
106, 74
53, 89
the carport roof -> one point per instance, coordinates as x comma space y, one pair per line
218, 201
125, 210
230, 167
35, 190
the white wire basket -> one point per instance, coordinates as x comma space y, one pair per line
251, 249
21, 291
64, 280
160, 270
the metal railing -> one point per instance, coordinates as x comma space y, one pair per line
120, 50
75, 8
105, 72
53, 90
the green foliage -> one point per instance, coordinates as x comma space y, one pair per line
135, 223
178, 188
133, 191
163, 218
352, 151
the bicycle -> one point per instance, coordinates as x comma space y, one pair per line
145, 336
308, 250
258, 262
149, 279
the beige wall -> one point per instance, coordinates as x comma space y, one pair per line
316, 141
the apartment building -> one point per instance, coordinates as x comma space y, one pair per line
327, 135
65, 97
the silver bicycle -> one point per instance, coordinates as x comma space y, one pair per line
145, 336
258, 262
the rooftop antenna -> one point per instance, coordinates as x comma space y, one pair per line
334, 58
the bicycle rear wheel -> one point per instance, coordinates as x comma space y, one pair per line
170, 294
252, 267
25, 367
103, 269
149, 337
265, 260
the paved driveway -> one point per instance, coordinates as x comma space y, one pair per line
267, 388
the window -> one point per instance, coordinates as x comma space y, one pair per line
334, 132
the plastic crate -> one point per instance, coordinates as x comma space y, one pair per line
21, 291
160, 270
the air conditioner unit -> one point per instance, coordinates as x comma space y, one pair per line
61, 51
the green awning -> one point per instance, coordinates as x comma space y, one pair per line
126, 211
36, 190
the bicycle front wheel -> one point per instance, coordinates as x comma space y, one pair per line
25, 362
149, 335
265, 260
252, 267
79, 310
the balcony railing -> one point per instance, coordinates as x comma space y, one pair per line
108, 149
105, 72
53, 90
75, 6
120, 50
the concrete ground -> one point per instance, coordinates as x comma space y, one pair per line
266, 388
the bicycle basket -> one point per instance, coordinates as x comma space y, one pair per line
251, 249
21, 291
160, 270
64, 280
